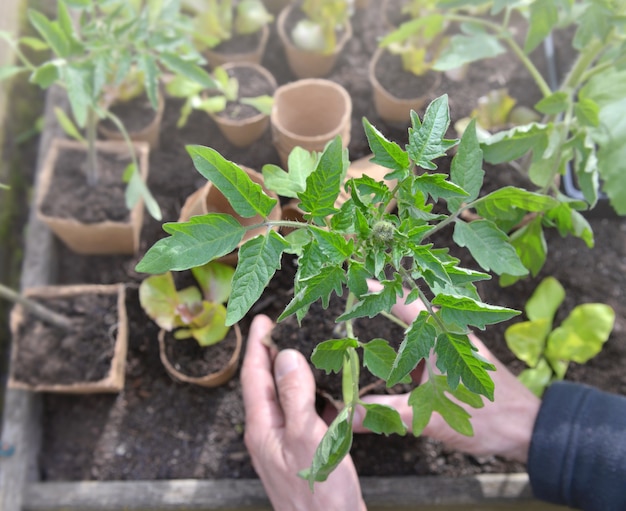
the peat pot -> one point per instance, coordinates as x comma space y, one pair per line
218, 57
118, 236
309, 113
63, 361
304, 63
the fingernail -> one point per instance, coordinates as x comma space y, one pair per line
286, 362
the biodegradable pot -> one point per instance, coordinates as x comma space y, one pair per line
392, 109
216, 58
108, 237
309, 64
209, 199
243, 132
275, 6
114, 379
309, 113
209, 380
150, 133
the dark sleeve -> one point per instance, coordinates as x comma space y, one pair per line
577, 454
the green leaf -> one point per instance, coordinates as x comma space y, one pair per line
466, 170
537, 378
329, 279
259, 258
555, 103
382, 419
209, 326
489, 246
301, 163
587, 112
148, 65
7, 72
333, 245
45, 75
329, 355
261, 103
531, 247
378, 357
159, 299
457, 358
426, 140
528, 339
188, 69
245, 196
583, 333
386, 154
463, 49
545, 300
68, 126
463, 311
544, 15
437, 186
51, 32
373, 303
335, 445
357, 275
33, 43
136, 189
511, 144
323, 184
215, 280
192, 243
77, 81
416, 345
429, 397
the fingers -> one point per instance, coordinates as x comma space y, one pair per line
257, 382
295, 385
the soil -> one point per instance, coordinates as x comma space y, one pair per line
239, 43
48, 355
251, 85
135, 114
160, 429
71, 196
402, 85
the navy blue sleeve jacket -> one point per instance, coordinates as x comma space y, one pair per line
577, 454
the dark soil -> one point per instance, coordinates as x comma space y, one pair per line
239, 43
397, 82
251, 85
160, 429
71, 196
135, 114
47, 354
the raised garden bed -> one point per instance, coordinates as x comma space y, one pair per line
164, 445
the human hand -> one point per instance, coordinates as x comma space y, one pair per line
283, 429
502, 427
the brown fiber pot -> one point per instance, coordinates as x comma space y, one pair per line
114, 380
209, 380
100, 238
309, 64
209, 199
216, 58
309, 113
150, 133
390, 108
243, 132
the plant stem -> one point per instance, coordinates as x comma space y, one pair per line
585, 59
37, 309
92, 154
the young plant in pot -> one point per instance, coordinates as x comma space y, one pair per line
93, 48
193, 330
313, 33
239, 100
230, 30
339, 248
581, 113
68, 339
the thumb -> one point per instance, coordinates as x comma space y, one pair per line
295, 385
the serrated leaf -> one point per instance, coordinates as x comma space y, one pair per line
378, 357
426, 141
333, 245
555, 103
77, 82
437, 186
334, 446
429, 397
382, 419
511, 144
416, 345
245, 196
51, 32
489, 247
373, 303
463, 311
466, 169
386, 153
323, 184
463, 49
587, 112
188, 69
458, 360
329, 279
356, 278
259, 258
45, 75
192, 243
530, 244
329, 355
528, 339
